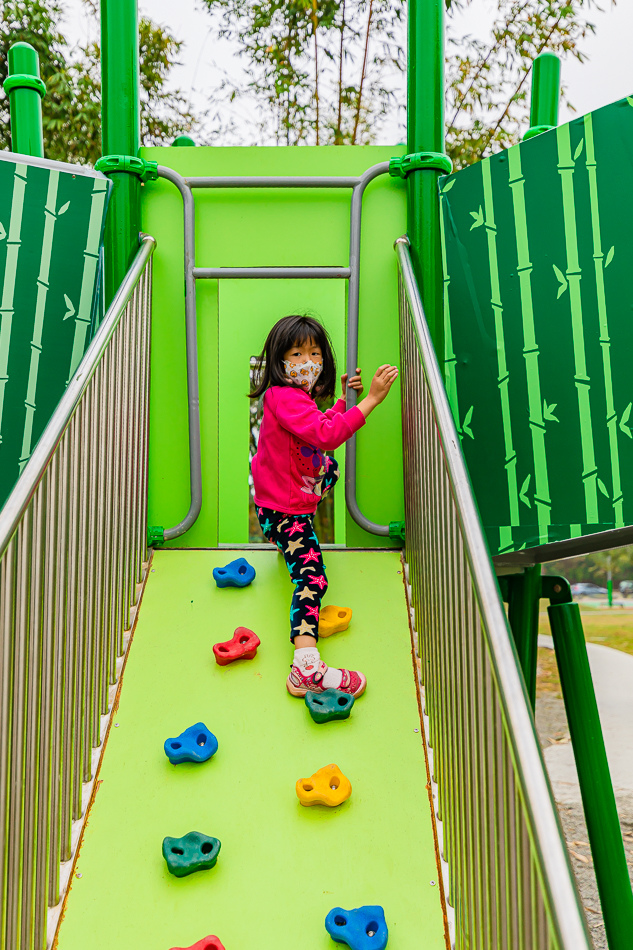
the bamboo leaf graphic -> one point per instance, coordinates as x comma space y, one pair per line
629, 99
478, 218
448, 186
71, 309
466, 423
623, 421
609, 256
524, 488
603, 488
562, 281
579, 149
63, 208
3, 233
548, 412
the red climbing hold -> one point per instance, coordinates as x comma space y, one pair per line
207, 943
243, 646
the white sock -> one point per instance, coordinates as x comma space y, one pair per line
332, 678
308, 659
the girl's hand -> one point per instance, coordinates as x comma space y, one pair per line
384, 378
354, 383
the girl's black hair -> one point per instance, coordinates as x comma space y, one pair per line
295, 330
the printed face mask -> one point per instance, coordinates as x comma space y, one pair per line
303, 374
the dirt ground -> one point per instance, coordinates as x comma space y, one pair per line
613, 628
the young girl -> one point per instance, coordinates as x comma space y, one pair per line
292, 474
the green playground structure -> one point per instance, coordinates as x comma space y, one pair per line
133, 299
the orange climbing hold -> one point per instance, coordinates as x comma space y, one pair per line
333, 620
328, 786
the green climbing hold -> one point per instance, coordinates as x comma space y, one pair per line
192, 852
328, 705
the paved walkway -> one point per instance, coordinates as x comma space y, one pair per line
612, 673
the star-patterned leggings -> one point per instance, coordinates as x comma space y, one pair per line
295, 537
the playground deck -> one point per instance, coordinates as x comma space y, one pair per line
282, 866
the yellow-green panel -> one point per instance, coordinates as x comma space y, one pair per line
248, 309
263, 227
282, 866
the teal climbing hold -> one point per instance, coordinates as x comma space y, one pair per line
193, 852
328, 705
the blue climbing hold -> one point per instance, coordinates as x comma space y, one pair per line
363, 928
195, 744
238, 573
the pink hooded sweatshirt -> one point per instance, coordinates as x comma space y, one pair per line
289, 465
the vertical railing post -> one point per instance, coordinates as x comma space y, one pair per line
25, 90
120, 132
545, 94
425, 132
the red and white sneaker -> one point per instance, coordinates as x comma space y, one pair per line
298, 684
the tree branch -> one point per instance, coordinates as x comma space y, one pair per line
362, 75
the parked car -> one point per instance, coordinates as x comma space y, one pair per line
626, 588
587, 590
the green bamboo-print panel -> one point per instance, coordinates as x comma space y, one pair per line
538, 252
51, 232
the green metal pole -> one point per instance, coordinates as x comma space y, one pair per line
594, 777
26, 90
120, 133
425, 132
524, 593
545, 94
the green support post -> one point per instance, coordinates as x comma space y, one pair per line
120, 133
522, 593
592, 766
545, 94
425, 133
25, 90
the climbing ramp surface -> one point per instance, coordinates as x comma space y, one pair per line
282, 866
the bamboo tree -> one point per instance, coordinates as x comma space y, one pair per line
50, 219
542, 498
573, 273
14, 243
83, 315
503, 374
605, 342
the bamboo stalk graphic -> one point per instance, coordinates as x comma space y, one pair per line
50, 217
450, 361
605, 341
542, 498
566, 167
91, 261
14, 242
503, 375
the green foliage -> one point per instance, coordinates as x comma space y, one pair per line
327, 72
71, 110
319, 67
487, 82
595, 567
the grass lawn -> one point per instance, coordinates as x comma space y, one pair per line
611, 627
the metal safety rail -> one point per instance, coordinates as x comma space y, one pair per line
72, 559
507, 873
185, 186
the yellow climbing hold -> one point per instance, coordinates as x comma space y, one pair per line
334, 619
328, 786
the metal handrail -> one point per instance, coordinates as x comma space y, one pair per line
481, 731
192, 273
30, 478
73, 557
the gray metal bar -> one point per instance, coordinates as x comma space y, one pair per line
195, 464
351, 362
272, 273
272, 181
523, 795
570, 547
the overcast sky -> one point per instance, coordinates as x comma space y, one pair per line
605, 76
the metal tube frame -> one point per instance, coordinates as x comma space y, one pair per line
70, 531
506, 871
192, 273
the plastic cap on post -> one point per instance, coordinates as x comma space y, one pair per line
25, 90
183, 141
